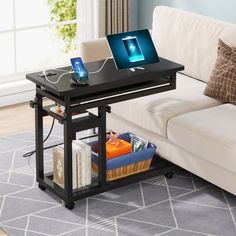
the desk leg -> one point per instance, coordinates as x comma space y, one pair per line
39, 138
102, 146
68, 155
173, 81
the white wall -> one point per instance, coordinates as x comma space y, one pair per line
223, 10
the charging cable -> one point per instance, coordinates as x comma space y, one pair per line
55, 82
104, 63
72, 72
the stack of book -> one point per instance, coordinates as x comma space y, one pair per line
81, 165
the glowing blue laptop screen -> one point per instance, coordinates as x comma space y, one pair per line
132, 49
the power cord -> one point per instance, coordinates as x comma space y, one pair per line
71, 72
52, 82
29, 154
55, 82
94, 72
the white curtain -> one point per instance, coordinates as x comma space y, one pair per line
87, 19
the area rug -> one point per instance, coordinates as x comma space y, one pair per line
185, 205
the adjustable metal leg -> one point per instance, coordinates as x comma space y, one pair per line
102, 146
39, 137
68, 155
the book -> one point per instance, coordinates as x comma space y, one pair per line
74, 168
80, 151
79, 173
58, 167
81, 165
88, 153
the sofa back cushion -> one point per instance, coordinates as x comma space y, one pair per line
189, 39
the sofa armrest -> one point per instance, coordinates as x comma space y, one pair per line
94, 50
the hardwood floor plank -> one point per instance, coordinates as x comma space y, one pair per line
18, 118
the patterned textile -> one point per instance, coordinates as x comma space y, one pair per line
222, 84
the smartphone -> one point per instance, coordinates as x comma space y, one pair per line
81, 73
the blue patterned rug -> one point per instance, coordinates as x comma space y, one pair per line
182, 206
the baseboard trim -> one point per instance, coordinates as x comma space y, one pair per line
16, 92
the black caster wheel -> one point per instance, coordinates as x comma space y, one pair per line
169, 175
70, 205
42, 187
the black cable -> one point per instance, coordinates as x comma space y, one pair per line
49, 133
29, 154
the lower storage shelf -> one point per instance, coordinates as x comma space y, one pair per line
49, 176
96, 187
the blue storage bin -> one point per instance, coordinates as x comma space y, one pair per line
127, 159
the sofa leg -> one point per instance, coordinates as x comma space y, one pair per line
169, 175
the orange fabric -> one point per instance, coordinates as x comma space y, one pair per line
113, 150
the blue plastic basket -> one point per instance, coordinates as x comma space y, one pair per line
125, 165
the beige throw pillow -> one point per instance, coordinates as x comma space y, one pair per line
222, 83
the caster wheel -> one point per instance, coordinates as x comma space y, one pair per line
42, 187
70, 205
169, 175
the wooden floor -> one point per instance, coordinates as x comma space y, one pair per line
18, 118
2, 233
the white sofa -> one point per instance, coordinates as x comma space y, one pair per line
191, 130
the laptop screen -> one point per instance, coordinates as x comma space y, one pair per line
132, 49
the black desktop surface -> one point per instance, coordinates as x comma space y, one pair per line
108, 79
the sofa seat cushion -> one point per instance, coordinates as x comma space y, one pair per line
153, 112
209, 133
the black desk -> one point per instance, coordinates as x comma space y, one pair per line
106, 87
